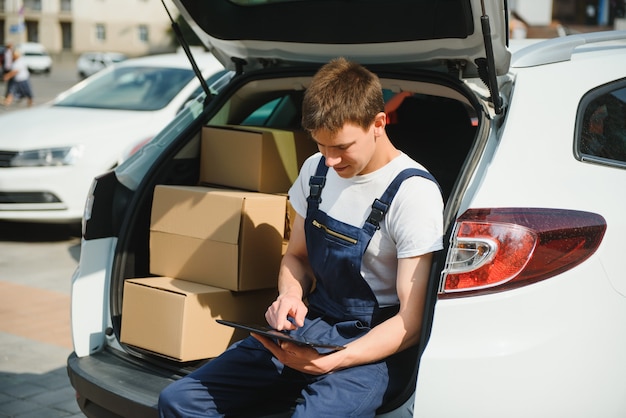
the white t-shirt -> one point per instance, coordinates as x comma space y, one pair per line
413, 225
22, 70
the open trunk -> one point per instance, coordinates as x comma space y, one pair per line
433, 118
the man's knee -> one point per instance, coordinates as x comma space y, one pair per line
170, 399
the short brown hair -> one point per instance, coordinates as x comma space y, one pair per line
341, 92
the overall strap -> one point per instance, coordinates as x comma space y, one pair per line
381, 205
316, 184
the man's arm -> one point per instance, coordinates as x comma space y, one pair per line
295, 279
9, 75
398, 332
395, 334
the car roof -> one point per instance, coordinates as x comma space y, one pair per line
415, 33
173, 60
562, 48
99, 53
32, 46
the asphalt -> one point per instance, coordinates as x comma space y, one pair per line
36, 264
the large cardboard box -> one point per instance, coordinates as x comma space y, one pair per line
176, 318
220, 237
258, 159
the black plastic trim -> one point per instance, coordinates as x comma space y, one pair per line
344, 22
108, 386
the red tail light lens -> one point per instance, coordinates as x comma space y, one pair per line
499, 249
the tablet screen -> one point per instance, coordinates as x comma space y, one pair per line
269, 332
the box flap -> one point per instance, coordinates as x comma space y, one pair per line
199, 212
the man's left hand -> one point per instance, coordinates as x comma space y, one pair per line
298, 357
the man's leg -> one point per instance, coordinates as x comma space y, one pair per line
244, 376
353, 392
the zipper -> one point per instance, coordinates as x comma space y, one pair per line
334, 233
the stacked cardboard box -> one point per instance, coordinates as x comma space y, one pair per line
257, 159
220, 237
215, 251
176, 318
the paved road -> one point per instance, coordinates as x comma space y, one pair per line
36, 264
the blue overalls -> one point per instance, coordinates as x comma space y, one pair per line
342, 307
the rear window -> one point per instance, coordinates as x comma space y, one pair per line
601, 130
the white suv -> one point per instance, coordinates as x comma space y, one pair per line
526, 309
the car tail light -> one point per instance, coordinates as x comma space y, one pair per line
493, 250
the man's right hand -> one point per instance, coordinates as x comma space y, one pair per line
287, 312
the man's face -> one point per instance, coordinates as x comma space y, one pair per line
349, 151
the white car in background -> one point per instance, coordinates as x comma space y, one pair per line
89, 63
36, 56
49, 154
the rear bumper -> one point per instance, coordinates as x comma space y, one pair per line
108, 386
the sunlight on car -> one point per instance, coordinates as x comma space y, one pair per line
133, 88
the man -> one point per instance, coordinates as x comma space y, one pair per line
368, 269
18, 79
7, 63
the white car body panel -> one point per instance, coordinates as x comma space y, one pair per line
552, 350
107, 137
534, 139
543, 351
89, 310
97, 131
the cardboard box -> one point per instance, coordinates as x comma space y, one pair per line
176, 318
220, 237
258, 159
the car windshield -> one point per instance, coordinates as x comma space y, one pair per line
34, 54
130, 88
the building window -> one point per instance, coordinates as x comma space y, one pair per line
32, 30
66, 5
32, 5
101, 34
66, 36
143, 33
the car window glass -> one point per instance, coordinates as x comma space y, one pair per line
602, 129
260, 116
130, 88
211, 82
283, 112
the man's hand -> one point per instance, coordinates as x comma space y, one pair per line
298, 357
284, 307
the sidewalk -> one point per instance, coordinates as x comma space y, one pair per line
35, 337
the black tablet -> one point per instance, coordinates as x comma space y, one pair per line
269, 332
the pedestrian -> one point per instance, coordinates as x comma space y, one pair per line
19, 79
7, 63
368, 221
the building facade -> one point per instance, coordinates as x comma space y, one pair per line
133, 27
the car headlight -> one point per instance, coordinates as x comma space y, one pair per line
48, 157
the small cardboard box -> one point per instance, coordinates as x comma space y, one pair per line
220, 237
258, 159
176, 318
